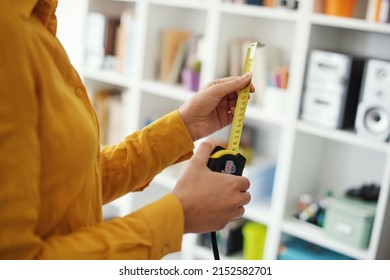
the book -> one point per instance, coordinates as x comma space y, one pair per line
112, 24
384, 11
171, 41
108, 107
178, 63
270, 3
254, 2
95, 40
371, 9
126, 41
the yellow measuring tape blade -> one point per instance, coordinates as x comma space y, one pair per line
242, 100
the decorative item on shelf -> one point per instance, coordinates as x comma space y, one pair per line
311, 210
190, 76
349, 220
367, 192
255, 235
339, 8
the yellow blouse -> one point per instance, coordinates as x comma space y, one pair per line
54, 178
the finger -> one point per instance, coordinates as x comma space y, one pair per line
240, 212
233, 85
246, 198
204, 150
220, 80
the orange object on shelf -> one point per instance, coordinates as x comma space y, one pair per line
339, 8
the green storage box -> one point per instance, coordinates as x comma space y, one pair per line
350, 220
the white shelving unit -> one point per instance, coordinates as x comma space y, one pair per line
310, 159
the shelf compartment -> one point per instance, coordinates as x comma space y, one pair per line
320, 165
316, 235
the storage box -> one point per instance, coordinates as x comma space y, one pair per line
297, 249
350, 220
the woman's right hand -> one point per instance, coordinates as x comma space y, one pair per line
209, 199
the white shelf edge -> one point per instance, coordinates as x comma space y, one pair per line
176, 92
346, 137
316, 235
261, 12
108, 77
350, 23
192, 4
129, 1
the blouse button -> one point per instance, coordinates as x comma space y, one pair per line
79, 92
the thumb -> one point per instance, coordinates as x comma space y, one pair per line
203, 152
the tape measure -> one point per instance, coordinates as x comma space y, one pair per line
229, 160
242, 101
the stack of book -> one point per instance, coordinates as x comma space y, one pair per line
378, 11
110, 42
181, 57
108, 106
290, 4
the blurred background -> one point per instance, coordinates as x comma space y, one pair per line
316, 131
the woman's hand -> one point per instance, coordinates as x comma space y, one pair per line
212, 108
210, 199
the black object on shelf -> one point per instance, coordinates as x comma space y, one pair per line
367, 192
